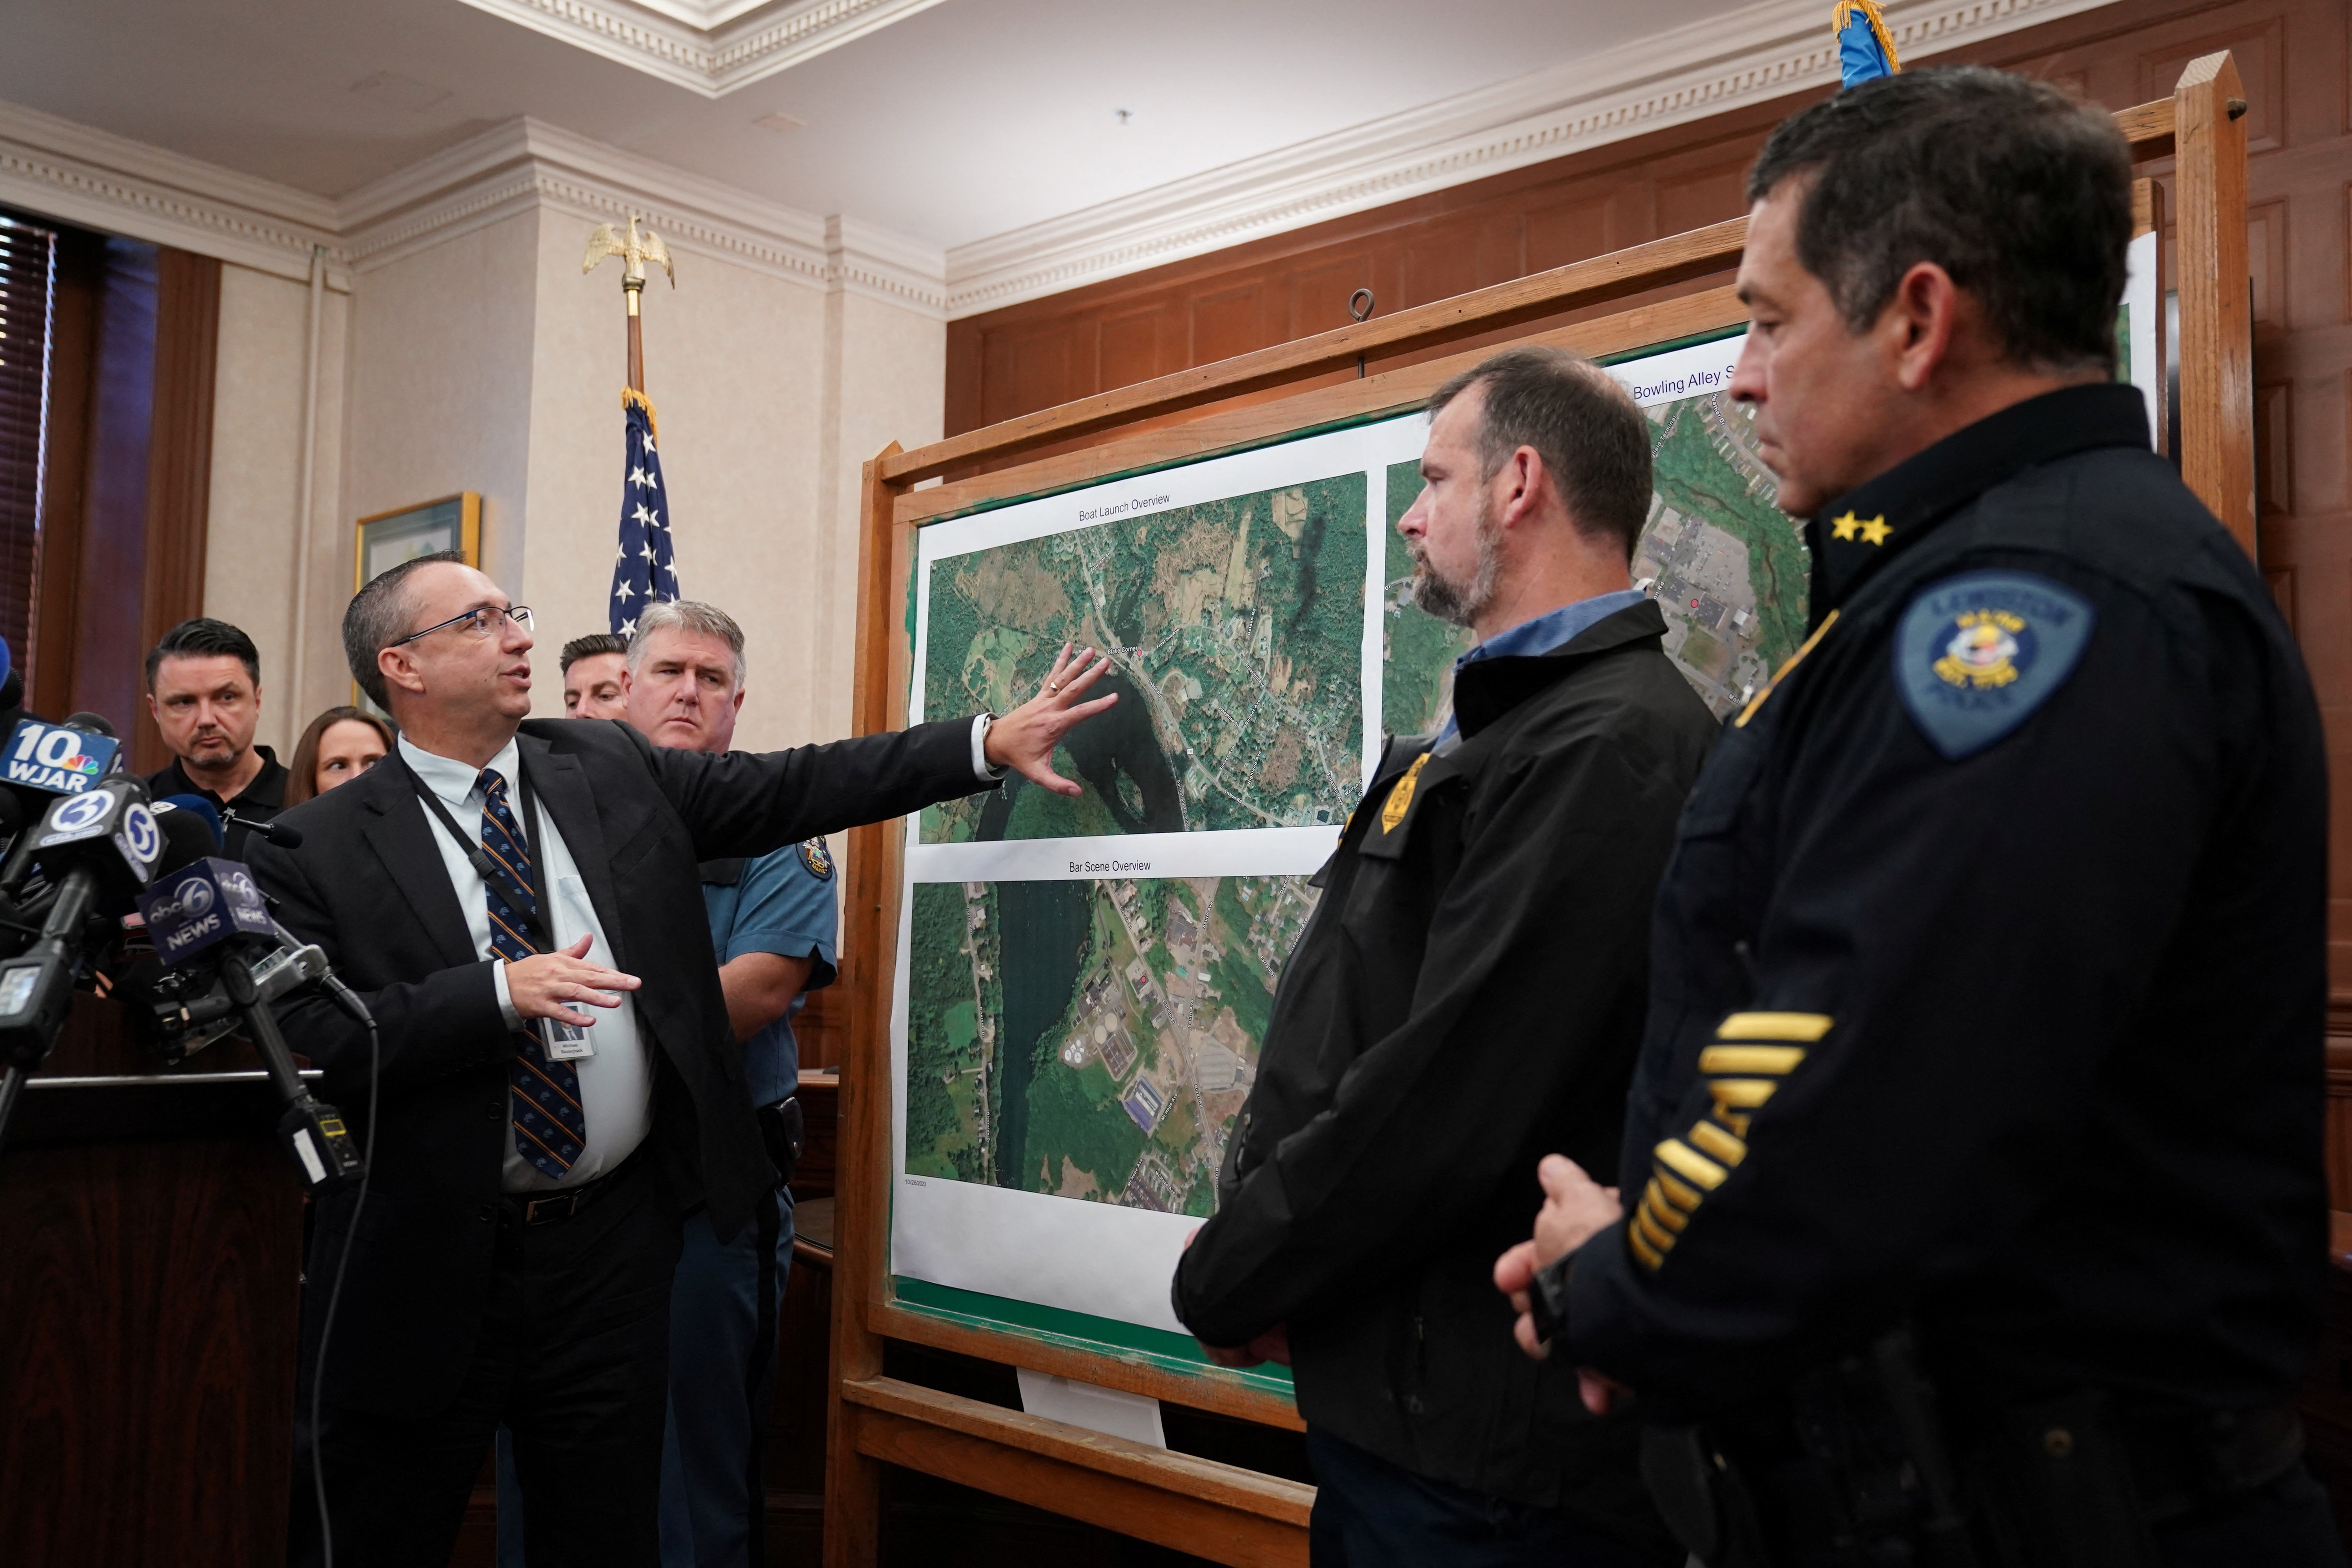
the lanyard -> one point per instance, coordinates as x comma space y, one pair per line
479, 857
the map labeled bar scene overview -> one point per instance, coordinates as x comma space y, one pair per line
1235, 632
1091, 1040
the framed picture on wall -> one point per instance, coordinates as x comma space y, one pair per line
389, 538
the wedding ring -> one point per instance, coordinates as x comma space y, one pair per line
1053, 688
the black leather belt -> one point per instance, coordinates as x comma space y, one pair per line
546, 1208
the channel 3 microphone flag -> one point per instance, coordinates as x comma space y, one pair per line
1866, 48
644, 570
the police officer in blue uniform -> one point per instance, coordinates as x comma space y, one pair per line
1972, 1202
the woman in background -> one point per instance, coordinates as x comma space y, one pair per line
340, 745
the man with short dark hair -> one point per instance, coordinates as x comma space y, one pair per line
204, 689
542, 1117
1468, 993
595, 677
1974, 1159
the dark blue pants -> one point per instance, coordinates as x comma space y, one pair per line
1369, 1513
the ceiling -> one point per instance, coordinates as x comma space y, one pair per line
948, 122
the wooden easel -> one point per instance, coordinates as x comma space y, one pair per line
1211, 1510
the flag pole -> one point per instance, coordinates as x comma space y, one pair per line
634, 250
645, 568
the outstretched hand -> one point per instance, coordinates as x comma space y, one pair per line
1024, 739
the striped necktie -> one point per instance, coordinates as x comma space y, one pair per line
551, 1129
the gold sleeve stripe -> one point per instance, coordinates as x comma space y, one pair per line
1806, 1028
1776, 1060
1689, 1164
1715, 1140
1649, 1257
1679, 1193
1654, 1198
1649, 1230
1741, 1093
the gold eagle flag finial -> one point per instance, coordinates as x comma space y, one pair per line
634, 249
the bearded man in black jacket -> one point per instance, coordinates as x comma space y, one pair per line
1469, 995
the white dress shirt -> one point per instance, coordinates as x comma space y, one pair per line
617, 1083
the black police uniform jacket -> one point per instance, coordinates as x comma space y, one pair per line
369, 885
1988, 986
1466, 998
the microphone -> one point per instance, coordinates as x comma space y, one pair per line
40, 762
188, 837
276, 832
223, 960
198, 808
92, 843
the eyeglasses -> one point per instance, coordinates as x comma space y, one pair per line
481, 622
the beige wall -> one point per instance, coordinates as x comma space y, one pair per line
887, 377
732, 367
257, 480
487, 361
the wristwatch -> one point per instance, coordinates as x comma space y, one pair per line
1547, 1297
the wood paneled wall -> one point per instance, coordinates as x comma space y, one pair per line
127, 475
2292, 55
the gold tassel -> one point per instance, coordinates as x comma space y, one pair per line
632, 398
1869, 8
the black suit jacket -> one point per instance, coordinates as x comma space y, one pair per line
369, 885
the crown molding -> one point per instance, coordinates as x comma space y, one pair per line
882, 264
527, 163
709, 47
78, 174
1760, 52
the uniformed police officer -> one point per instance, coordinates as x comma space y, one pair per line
1467, 994
772, 924
1974, 1158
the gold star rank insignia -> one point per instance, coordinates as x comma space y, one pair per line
1875, 531
1844, 527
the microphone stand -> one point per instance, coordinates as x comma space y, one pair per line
313, 1131
52, 958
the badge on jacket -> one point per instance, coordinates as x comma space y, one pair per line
1400, 800
817, 858
1977, 654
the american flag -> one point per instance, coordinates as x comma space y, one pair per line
645, 568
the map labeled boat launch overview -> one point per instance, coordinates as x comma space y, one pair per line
1234, 629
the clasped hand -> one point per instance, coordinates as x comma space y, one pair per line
1576, 1209
556, 984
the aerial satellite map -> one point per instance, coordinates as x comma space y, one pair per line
1235, 632
1093, 1037
1091, 1040
1726, 565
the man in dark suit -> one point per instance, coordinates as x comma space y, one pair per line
519, 905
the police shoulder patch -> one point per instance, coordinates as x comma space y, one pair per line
1977, 653
817, 858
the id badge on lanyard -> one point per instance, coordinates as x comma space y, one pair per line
562, 1041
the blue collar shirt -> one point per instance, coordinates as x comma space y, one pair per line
1541, 635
